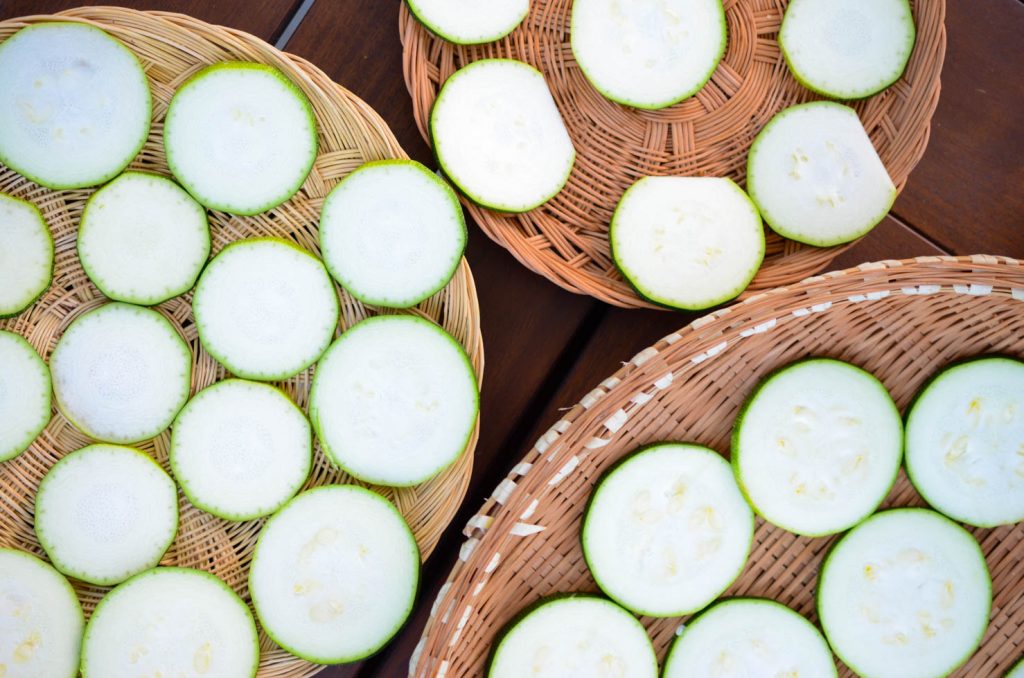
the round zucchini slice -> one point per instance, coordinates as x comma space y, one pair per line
667, 530
240, 449
265, 309
171, 621
334, 574
26, 255
816, 178
905, 594
241, 137
578, 635
143, 239
648, 53
76, 105
121, 373
470, 23
499, 136
24, 395
965, 441
749, 637
1017, 670
392, 233
817, 446
687, 242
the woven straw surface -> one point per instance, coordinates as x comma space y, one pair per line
171, 48
566, 240
901, 320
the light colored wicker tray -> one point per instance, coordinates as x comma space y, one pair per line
566, 240
901, 320
172, 47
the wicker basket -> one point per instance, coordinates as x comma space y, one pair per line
901, 320
171, 48
566, 240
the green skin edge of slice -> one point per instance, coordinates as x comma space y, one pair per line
49, 237
412, 598
736, 450
823, 573
934, 379
94, 181
19, 449
98, 280
186, 488
744, 600
48, 545
607, 94
647, 295
299, 96
314, 413
782, 229
414, 10
439, 156
456, 206
220, 357
155, 572
188, 378
1016, 670
856, 94
586, 516
553, 599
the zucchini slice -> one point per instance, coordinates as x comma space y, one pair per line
687, 242
1017, 670
241, 137
334, 574
24, 395
121, 373
470, 23
40, 616
667, 530
143, 239
26, 255
741, 637
574, 635
847, 50
648, 53
499, 136
265, 308
815, 176
392, 233
817, 446
394, 400
965, 441
905, 594
171, 621
240, 449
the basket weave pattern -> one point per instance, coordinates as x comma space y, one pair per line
709, 134
171, 48
901, 320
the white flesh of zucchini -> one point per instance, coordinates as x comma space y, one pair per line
667, 530
24, 395
143, 239
815, 176
105, 513
965, 442
906, 594
469, 22
818, 446
648, 53
76, 105
240, 449
121, 373
687, 242
392, 233
334, 574
265, 309
171, 622
26, 255
499, 136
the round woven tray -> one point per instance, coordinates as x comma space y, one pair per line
566, 240
171, 48
901, 320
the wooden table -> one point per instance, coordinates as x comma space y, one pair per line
546, 347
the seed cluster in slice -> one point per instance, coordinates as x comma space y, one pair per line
24, 395
470, 23
26, 255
